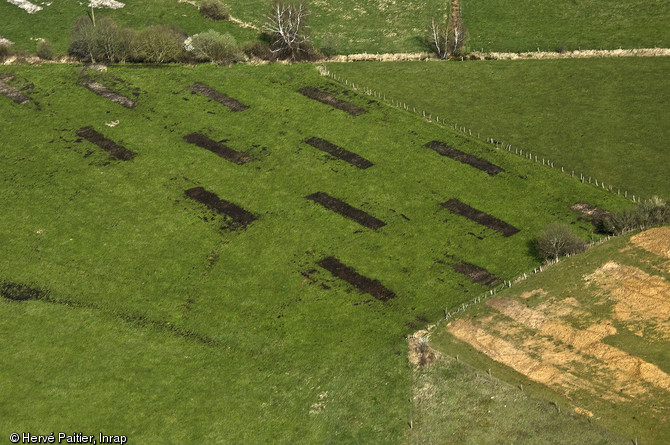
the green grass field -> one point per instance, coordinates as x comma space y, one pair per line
54, 22
605, 118
232, 335
382, 26
619, 286
499, 25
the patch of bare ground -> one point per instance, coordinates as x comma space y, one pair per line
465, 158
533, 293
211, 200
218, 148
344, 209
115, 150
20, 292
460, 208
339, 152
12, 93
656, 241
105, 92
360, 282
420, 353
596, 214
219, 97
641, 300
475, 273
328, 99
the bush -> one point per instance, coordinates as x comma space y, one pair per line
558, 240
82, 39
259, 49
215, 10
329, 47
159, 44
45, 50
215, 47
104, 42
4, 52
653, 212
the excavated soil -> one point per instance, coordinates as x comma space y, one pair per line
219, 149
105, 92
596, 214
465, 158
641, 300
476, 273
339, 152
346, 210
117, 151
221, 98
362, 283
329, 99
211, 200
460, 208
20, 292
13, 94
656, 241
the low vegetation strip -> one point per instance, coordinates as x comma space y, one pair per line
105, 92
360, 282
460, 208
211, 200
13, 94
329, 99
117, 151
221, 98
339, 152
465, 158
217, 148
346, 210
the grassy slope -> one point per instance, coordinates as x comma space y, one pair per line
500, 25
55, 22
388, 26
603, 117
122, 239
638, 416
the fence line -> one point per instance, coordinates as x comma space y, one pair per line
496, 144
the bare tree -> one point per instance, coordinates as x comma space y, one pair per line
440, 38
287, 26
447, 38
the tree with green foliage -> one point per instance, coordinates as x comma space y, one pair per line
215, 47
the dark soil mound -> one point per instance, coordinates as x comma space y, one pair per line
329, 99
13, 94
465, 158
339, 152
221, 98
236, 213
476, 273
218, 148
117, 151
349, 274
345, 209
460, 208
20, 292
105, 92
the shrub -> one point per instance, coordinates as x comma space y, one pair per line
4, 52
558, 240
159, 44
259, 49
653, 212
215, 10
45, 50
215, 47
82, 40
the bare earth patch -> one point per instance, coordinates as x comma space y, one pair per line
360, 282
219, 97
105, 92
596, 214
13, 94
339, 152
460, 208
328, 99
656, 241
344, 209
465, 158
30, 8
641, 300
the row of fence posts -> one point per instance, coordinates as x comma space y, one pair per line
498, 145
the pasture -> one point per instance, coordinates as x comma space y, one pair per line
205, 258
